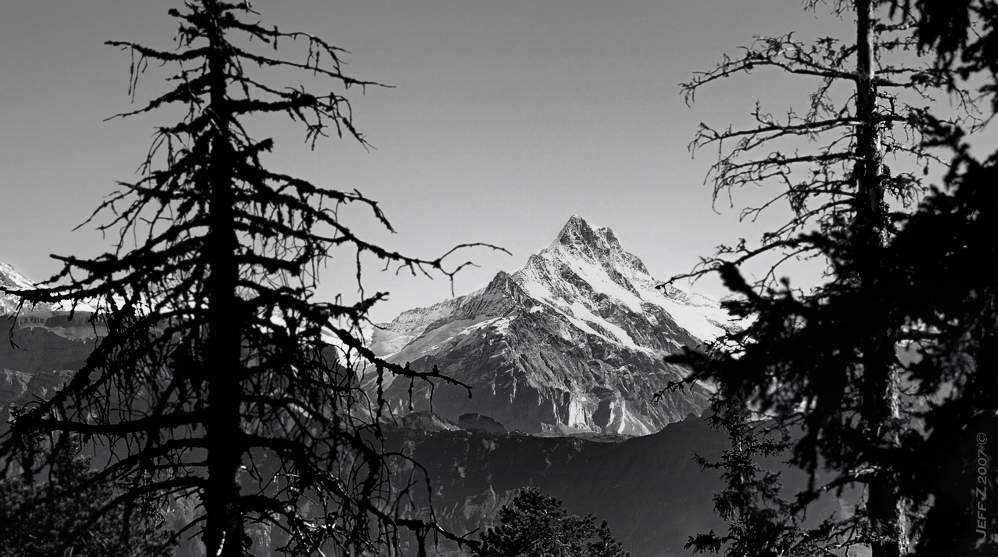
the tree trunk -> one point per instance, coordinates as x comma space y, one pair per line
880, 380
223, 535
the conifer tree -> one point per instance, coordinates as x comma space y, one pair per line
823, 362
535, 524
38, 517
221, 378
941, 288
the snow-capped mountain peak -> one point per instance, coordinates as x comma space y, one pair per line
580, 238
577, 231
588, 266
575, 339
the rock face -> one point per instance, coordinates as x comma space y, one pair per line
43, 351
572, 342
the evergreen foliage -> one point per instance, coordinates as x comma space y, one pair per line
37, 516
536, 525
221, 378
963, 34
761, 521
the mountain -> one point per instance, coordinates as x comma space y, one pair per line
572, 342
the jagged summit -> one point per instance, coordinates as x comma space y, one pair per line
576, 230
596, 244
578, 234
572, 341
588, 266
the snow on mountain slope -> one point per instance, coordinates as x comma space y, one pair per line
573, 341
595, 257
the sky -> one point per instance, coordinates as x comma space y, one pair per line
503, 118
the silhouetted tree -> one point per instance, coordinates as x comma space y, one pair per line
939, 284
536, 525
824, 361
221, 377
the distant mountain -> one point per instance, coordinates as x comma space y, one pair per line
44, 347
574, 341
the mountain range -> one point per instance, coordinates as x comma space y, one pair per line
572, 342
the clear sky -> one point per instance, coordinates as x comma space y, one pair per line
505, 118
